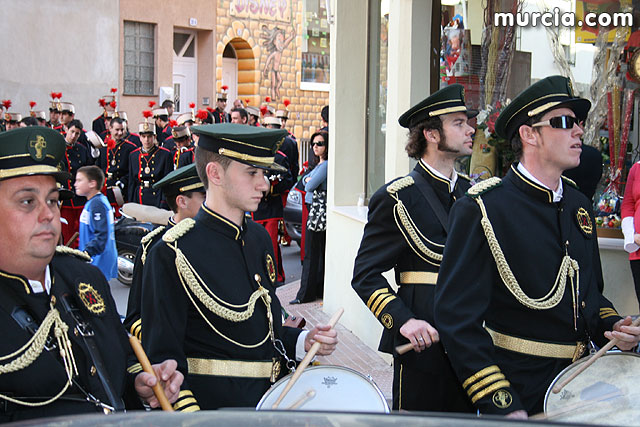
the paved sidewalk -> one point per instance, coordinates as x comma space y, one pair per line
350, 352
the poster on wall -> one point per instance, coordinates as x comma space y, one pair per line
262, 10
586, 33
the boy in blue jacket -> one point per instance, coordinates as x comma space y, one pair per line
97, 236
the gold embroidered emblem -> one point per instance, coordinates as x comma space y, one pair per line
387, 320
584, 221
502, 399
145, 126
91, 298
37, 147
271, 268
7, 117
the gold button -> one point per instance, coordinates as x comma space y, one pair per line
257, 277
75, 331
53, 299
584, 304
93, 370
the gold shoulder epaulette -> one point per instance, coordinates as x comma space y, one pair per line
153, 233
484, 186
570, 182
464, 176
178, 230
398, 185
66, 250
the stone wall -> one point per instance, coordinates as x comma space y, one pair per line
244, 34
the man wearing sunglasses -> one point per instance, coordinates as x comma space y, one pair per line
519, 295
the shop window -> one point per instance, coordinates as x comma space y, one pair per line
315, 46
139, 58
377, 95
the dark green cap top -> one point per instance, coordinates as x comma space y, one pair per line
545, 95
32, 150
255, 146
445, 101
182, 180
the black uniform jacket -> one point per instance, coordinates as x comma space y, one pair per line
75, 157
145, 169
115, 163
534, 234
388, 243
270, 206
89, 291
233, 262
186, 158
290, 148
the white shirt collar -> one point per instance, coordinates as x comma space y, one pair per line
452, 181
36, 285
557, 194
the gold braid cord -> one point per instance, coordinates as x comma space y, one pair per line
146, 241
29, 352
568, 267
408, 228
70, 251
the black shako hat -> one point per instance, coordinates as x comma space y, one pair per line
251, 145
180, 181
547, 94
445, 101
32, 150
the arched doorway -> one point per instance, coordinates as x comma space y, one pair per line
239, 72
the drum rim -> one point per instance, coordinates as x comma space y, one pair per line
345, 368
576, 363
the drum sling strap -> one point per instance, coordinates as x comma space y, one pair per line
432, 198
11, 305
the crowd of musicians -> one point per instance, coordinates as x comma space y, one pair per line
499, 284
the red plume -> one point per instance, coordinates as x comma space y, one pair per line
7, 104
147, 114
286, 103
173, 123
209, 109
202, 114
32, 104
59, 95
224, 87
267, 99
152, 103
247, 101
114, 89
102, 102
192, 105
263, 110
53, 95
111, 143
113, 104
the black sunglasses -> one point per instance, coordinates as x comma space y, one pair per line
560, 122
319, 144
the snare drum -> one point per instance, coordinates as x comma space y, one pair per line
327, 388
607, 392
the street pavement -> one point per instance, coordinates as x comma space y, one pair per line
351, 352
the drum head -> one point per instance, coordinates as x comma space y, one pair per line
335, 388
607, 392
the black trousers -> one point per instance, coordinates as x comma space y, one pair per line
635, 272
312, 280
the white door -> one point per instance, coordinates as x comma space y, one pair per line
185, 70
230, 78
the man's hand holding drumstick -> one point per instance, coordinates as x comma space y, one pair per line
420, 333
326, 335
627, 335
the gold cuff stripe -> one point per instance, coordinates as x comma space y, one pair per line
485, 382
193, 408
191, 187
480, 374
246, 157
229, 368
490, 389
607, 310
418, 278
379, 300
604, 316
375, 295
27, 170
186, 401
457, 109
384, 304
134, 369
531, 347
134, 325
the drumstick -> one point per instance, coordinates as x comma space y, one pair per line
310, 394
404, 348
312, 352
575, 406
75, 235
556, 388
146, 366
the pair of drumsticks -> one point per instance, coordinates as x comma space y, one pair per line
166, 406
